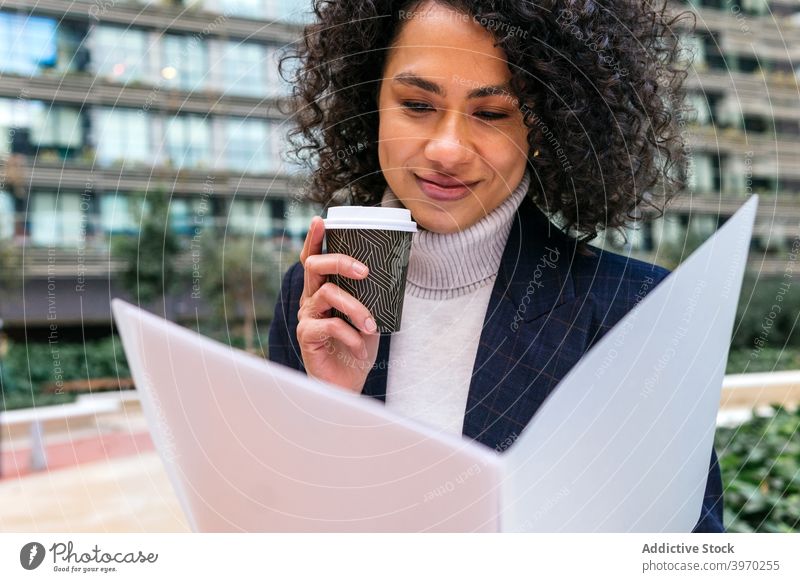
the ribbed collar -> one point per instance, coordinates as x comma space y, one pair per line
442, 266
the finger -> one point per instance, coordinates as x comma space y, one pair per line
318, 267
316, 233
331, 296
307, 243
317, 334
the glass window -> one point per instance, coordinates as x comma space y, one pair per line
247, 145
15, 115
245, 68
290, 68
122, 135
187, 214
701, 173
188, 140
276, 86
55, 218
73, 54
727, 112
700, 113
692, 50
57, 127
29, 43
733, 176
6, 215
703, 226
119, 54
246, 8
280, 146
298, 219
758, 7
184, 61
757, 123
293, 11
47, 126
787, 127
671, 232
120, 213
250, 217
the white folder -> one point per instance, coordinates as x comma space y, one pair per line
622, 444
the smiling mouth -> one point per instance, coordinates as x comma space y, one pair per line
446, 182
449, 191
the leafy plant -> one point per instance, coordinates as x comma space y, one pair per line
768, 313
149, 257
10, 269
760, 465
238, 281
28, 369
745, 361
671, 255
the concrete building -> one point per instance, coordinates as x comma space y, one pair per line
102, 101
744, 134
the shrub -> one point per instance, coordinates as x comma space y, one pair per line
27, 369
760, 464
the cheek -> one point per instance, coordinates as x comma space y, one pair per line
396, 140
505, 149
516, 146
396, 129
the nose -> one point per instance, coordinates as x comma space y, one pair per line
450, 145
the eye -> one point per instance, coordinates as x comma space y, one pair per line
417, 106
491, 115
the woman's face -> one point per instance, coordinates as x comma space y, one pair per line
446, 119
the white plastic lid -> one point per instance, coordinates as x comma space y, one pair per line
379, 217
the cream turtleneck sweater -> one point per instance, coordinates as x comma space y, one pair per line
449, 283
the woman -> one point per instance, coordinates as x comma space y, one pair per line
483, 119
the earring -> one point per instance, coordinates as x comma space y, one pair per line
535, 153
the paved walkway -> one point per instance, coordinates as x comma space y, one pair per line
126, 494
106, 477
16, 462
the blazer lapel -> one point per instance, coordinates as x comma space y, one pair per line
533, 279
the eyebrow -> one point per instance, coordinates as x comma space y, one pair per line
413, 80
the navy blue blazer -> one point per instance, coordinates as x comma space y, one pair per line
550, 303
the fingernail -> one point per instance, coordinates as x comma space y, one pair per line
370, 324
359, 268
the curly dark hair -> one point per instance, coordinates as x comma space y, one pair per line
599, 83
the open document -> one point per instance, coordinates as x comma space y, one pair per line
250, 445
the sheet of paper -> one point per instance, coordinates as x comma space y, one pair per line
254, 446
624, 441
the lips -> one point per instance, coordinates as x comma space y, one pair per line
446, 181
443, 188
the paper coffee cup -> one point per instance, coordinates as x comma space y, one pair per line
380, 238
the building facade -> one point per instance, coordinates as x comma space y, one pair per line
743, 135
102, 101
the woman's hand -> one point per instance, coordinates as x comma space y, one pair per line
332, 350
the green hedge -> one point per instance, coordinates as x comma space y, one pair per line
27, 369
745, 361
760, 465
767, 314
